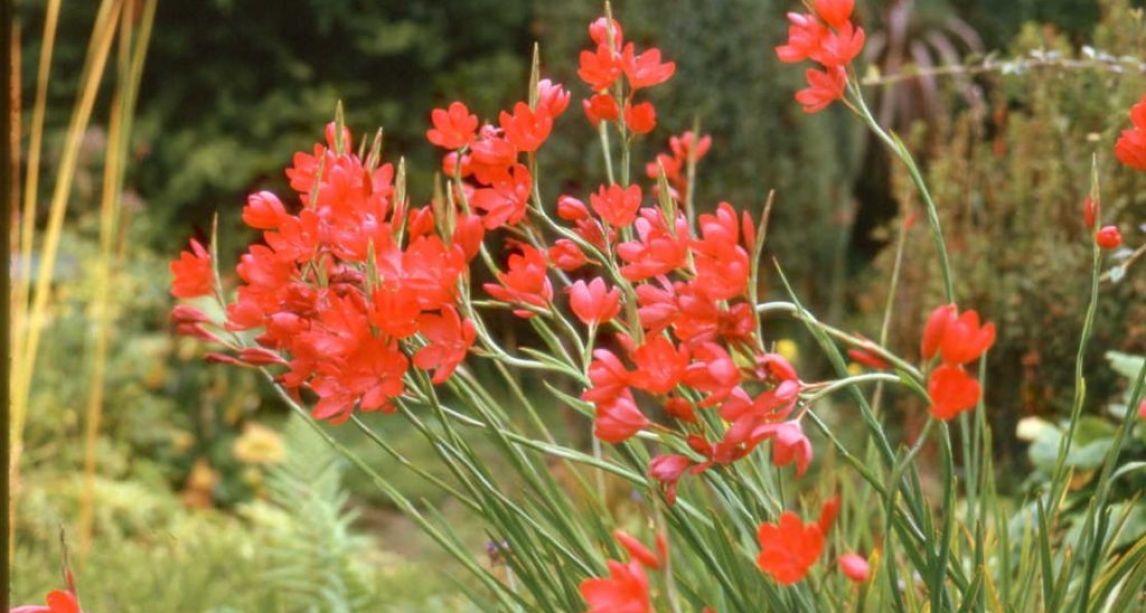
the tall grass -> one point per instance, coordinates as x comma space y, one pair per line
128, 22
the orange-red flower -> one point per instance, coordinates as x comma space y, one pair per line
645, 70
789, 445
1090, 212
454, 126
600, 68
601, 107
805, 35
836, 13
617, 205
552, 98
625, 590
264, 211
958, 338
668, 469
566, 255
619, 419
1108, 237
640, 118
789, 548
192, 275
660, 365
450, 338
526, 129
824, 88
1131, 146
506, 200
594, 303
525, 281
840, 46
952, 391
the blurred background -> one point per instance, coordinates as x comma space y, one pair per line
182, 487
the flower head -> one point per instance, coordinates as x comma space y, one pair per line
454, 126
625, 590
952, 391
789, 548
617, 205
192, 275
594, 302
1108, 237
824, 87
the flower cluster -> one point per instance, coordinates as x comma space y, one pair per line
829, 38
602, 69
695, 345
957, 339
497, 185
345, 293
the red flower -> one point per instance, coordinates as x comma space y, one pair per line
552, 99
450, 338
454, 127
617, 205
933, 330
619, 419
505, 202
525, 281
526, 129
641, 118
369, 376
395, 310
657, 250
840, 46
566, 255
805, 35
958, 338
1131, 146
192, 273
964, 339
599, 32
646, 69
264, 211
789, 445
625, 590
607, 376
1090, 211
952, 391
824, 88
58, 601
594, 303
600, 107
668, 469
1108, 237
600, 68
855, 567
836, 13
789, 548
571, 209
713, 373
660, 365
